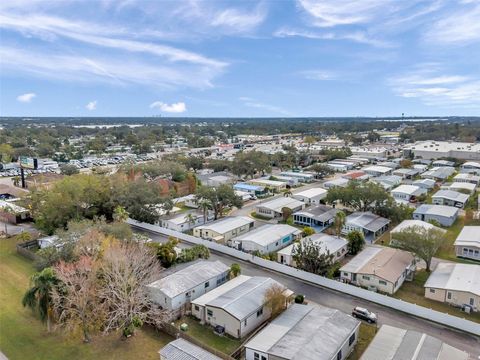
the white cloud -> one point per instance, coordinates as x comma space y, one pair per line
26, 98
249, 102
178, 107
457, 27
238, 20
92, 105
58, 66
437, 89
330, 13
321, 75
355, 36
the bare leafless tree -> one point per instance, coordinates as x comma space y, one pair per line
75, 302
275, 299
125, 270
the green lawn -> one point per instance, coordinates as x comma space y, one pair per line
23, 336
206, 335
414, 292
366, 335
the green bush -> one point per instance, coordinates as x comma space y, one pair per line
299, 299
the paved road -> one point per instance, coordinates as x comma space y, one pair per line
345, 303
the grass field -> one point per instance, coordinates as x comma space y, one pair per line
206, 335
23, 336
366, 335
414, 292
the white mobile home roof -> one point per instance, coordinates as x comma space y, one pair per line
304, 332
245, 298
189, 277
462, 185
469, 236
181, 349
405, 224
451, 195
227, 224
281, 202
455, 277
268, 233
377, 169
438, 210
392, 343
310, 193
407, 189
329, 243
220, 290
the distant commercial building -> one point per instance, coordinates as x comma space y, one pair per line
391, 343
305, 332
444, 149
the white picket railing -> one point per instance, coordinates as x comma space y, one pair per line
409, 308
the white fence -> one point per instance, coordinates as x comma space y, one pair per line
409, 308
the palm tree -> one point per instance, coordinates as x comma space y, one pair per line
38, 297
120, 214
190, 219
205, 206
339, 222
235, 270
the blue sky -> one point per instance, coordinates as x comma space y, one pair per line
240, 58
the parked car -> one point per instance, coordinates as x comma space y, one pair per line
364, 314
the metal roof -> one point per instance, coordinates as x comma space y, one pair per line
188, 278
405, 224
437, 210
455, 277
304, 332
244, 299
469, 236
181, 349
392, 343
329, 243
367, 220
312, 192
227, 224
451, 195
320, 212
268, 233
281, 202
246, 186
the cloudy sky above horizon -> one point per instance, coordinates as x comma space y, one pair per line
240, 58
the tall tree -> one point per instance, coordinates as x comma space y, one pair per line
359, 196
235, 270
125, 270
356, 242
275, 299
39, 296
420, 241
76, 303
309, 256
321, 170
339, 221
219, 198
